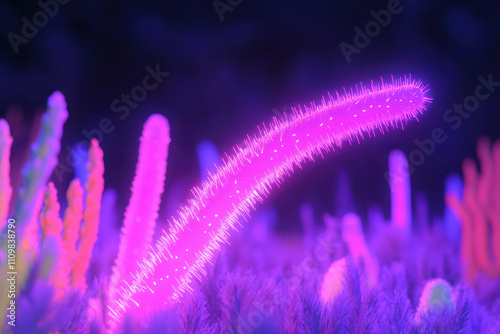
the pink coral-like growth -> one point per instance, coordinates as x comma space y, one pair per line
247, 177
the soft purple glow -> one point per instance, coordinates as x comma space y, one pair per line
400, 191
208, 157
453, 185
247, 178
81, 156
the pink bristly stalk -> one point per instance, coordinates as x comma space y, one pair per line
247, 177
142, 211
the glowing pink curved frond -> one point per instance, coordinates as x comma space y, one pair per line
248, 176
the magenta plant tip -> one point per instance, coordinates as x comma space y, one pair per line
246, 179
56, 100
4, 127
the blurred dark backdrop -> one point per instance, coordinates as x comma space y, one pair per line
227, 76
